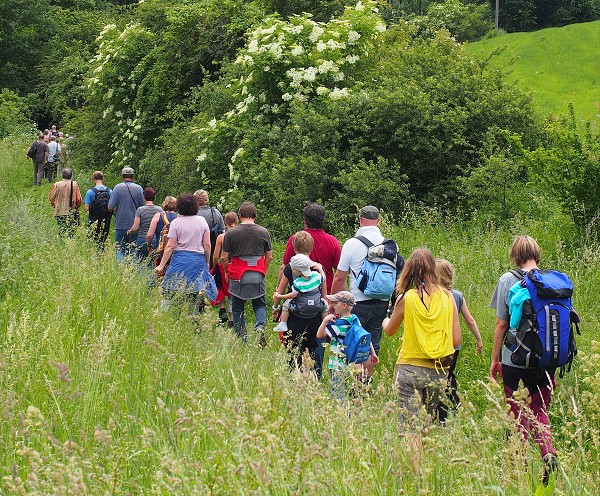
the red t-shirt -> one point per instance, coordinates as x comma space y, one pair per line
327, 251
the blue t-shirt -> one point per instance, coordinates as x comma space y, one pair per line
126, 198
91, 194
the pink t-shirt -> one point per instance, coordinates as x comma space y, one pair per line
326, 251
189, 230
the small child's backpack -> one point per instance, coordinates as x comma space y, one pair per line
377, 277
99, 205
545, 336
160, 249
308, 304
356, 342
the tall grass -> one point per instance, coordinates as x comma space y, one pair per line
102, 393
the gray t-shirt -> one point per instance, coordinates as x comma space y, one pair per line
500, 304
126, 198
145, 214
212, 217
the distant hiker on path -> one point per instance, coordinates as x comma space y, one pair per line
126, 198
54, 154
38, 152
213, 218
96, 205
66, 200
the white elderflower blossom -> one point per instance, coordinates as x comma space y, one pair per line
267, 68
276, 50
321, 46
352, 59
322, 90
236, 154
359, 6
316, 33
286, 97
337, 93
253, 46
297, 50
353, 37
380, 27
212, 123
339, 76
327, 66
296, 29
310, 74
201, 157
299, 97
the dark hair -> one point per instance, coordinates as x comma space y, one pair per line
149, 194
187, 204
98, 176
248, 210
67, 173
231, 219
314, 216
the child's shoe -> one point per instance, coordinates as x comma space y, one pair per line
281, 327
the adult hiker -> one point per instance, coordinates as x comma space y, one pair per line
126, 198
95, 204
141, 224
54, 155
246, 255
65, 197
213, 218
38, 152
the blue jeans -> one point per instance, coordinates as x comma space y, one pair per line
259, 305
371, 314
125, 244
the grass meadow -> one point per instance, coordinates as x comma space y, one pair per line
543, 63
102, 393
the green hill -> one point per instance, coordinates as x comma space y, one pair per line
557, 65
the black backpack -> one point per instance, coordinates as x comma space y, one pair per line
99, 206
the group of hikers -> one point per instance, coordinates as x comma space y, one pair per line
343, 297
47, 153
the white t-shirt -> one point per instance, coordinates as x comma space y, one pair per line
354, 253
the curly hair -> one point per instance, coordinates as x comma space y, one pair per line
187, 204
169, 204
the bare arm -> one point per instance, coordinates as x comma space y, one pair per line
286, 296
167, 254
456, 335
268, 257
152, 229
321, 332
136, 225
339, 281
499, 332
283, 282
391, 325
218, 248
206, 246
472, 325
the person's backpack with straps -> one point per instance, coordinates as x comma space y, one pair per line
162, 242
215, 230
99, 205
380, 269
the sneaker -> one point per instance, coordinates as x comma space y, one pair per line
281, 327
550, 466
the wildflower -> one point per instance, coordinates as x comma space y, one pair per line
353, 37
316, 33
297, 50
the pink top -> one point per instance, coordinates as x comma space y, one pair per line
189, 230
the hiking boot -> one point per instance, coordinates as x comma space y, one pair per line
222, 316
550, 467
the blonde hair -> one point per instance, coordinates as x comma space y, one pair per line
303, 242
201, 197
169, 204
524, 248
418, 271
445, 272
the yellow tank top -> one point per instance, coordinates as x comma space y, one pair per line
427, 328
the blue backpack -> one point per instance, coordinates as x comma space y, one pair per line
545, 336
377, 277
357, 341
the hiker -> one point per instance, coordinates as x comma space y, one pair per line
225, 315
126, 198
431, 331
370, 311
302, 318
531, 414
213, 218
141, 224
156, 230
336, 327
65, 197
247, 253
38, 152
54, 154
326, 251
96, 205
186, 254
446, 274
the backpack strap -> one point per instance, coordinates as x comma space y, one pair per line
166, 220
95, 190
365, 241
518, 273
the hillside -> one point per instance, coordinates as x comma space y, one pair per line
557, 65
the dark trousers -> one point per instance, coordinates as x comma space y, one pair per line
67, 224
302, 337
98, 231
371, 314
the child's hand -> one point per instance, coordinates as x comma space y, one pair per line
329, 318
479, 346
276, 296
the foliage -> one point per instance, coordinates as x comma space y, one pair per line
567, 167
13, 114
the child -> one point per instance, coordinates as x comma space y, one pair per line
231, 220
303, 244
446, 273
308, 280
342, 302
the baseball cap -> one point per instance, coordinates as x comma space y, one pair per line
302, 264
369, 212
127, 171
343, 296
